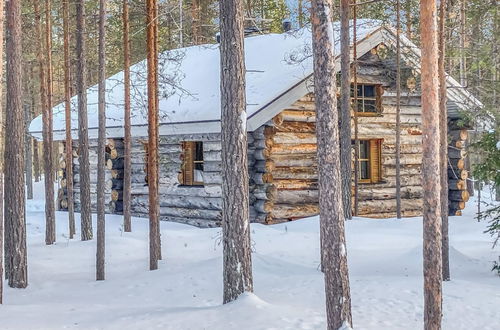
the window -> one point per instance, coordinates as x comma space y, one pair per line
369, 160
369, 99
192, 163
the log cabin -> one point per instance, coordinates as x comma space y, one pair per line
281, 131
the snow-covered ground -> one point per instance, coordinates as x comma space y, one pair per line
385, 261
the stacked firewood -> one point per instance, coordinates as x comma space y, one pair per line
457, 173
115, 165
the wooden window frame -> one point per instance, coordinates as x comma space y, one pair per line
187, 178
374, 160
378, 100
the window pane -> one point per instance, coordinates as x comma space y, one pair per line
364, 170
363, 149
369, 91
198, 155
370, 106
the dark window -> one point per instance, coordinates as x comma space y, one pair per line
370, 163
192, 163
368, 99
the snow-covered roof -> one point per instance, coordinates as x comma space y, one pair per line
279, 68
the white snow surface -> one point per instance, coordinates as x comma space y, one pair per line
190, 81
385, 264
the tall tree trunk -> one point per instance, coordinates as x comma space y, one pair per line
431, 167
462, 59
237, 257
300, 13
409, 27
398, 109
196, 21
15, 212
154, 246
2, 145
101, 152
345, 111
83, 138
29, 152
50, 216
334, 261
355, 106
36, 161
443, 134
127, 176
67, 106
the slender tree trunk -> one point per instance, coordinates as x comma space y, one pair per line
83, 138
338, 298
398, 109
431, 167
154, 247
237, 257
443, 134
36, 161
196, 21
101, 152
2, 143
409, 27
345, 111
15, 212
50, 216
300, 13
67, 106
462, 63
29, 152
127, 179
355, 106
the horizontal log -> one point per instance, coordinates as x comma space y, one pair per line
191, 202
263, 206
287, 211
296, 196
456, 205
296, 184
388, 206
114, 164
295, 160
454, 184
375, 193
298, 127
265, 192
298, 115
458, 196
455, 153
385, 215
116, 206
290, 149
461, 134
263, 166
262, 178
456, 164
294, 138
115, 144
457, 174
298, 173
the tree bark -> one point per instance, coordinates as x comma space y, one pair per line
334, 260
154, 207
398, 109
83, 138
345, 111
29, 152
237, 257
2, 143
15, 212
443, 134
127, 179
67, 106
431, 168
355, 106
101, 148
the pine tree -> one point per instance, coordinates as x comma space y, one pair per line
83, 138
152, 63
127, 180
431, 167
15, 211
67, 107
50, 216
443, 141
345, 110
237, 271
334, 257
2, 142
101, 152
